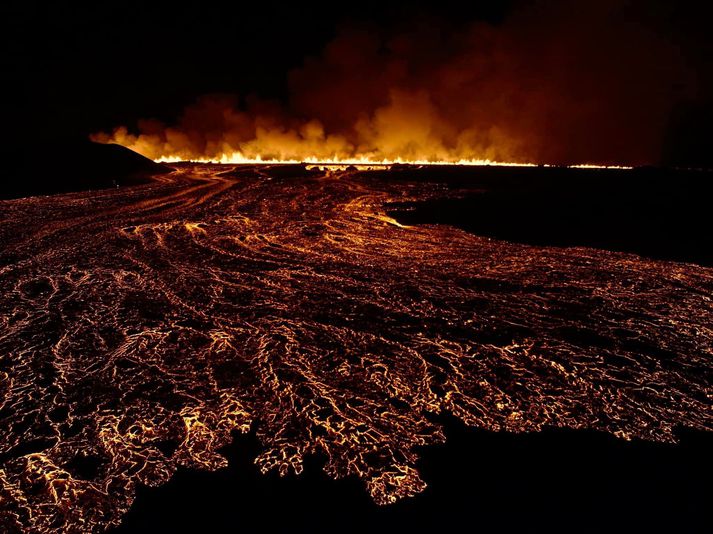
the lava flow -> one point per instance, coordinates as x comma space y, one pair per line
141, 327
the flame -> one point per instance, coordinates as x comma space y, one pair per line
516, 93
362, 161
366, 162
312, 146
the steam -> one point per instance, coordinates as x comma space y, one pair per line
557, 82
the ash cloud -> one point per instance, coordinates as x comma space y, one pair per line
555, 82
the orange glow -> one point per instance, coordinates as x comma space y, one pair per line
408, 130
138, 144
365, 162
482, 95
359, 161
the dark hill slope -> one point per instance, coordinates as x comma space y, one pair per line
71, 167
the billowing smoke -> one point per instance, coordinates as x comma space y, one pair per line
556, 82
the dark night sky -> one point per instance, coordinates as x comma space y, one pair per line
110, 62
72, 71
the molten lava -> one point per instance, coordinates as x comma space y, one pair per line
312, 154
140, 327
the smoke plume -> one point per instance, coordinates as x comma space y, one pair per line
556, 82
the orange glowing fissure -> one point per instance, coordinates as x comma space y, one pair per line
310, 144
366, 161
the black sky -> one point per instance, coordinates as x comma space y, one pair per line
71, 70
89, 67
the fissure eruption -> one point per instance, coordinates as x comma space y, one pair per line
439, 92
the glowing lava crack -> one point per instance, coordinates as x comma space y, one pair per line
139, 327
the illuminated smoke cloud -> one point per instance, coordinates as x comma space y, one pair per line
585, 84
